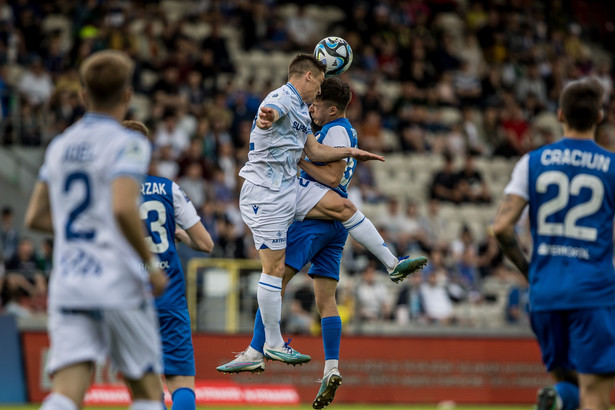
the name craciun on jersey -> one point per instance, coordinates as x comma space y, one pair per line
576, 158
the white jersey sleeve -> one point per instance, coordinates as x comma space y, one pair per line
132, 160
278, 100
519, 181
337, 137
185, 213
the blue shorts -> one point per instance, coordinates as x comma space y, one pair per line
176, 336
320, 242
581, 339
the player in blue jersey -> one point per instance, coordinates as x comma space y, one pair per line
163, 205
570, 189
100, 299
318, 241
282, 132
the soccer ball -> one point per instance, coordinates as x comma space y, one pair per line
335, 53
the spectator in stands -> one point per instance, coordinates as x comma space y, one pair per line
166, 165
301, 316
35, 83
26, 284
444, 184
373, 297
302, 29
9, 236
470, 183
409, 306
168, 133
217, 44
436, 302
193, 184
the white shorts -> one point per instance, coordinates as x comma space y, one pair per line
267, 213
128, 337
309, 193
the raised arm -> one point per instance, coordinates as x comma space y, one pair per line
329, 174
318, 152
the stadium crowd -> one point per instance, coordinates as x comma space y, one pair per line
455, 80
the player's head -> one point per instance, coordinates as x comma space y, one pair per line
106, 77
580, 104
332, 101
306, 74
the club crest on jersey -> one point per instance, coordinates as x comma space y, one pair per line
255, 208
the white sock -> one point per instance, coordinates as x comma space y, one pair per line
329, 365
364, 232
57, 401
253, 354
269, 296
141, 404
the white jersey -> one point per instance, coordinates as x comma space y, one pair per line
94, 265
274, 153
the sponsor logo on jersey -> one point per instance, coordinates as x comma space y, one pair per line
154, 188
300, 127
255, 208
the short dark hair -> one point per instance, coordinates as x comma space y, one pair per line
335, 92
304, 63
581, 102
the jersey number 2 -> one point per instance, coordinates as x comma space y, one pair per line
565, 187
156, 225
70, 231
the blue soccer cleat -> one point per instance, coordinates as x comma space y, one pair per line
328, 387
241, 363
547, 399
406, 266
285, 354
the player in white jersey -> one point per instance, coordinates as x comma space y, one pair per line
100, 301
268, 195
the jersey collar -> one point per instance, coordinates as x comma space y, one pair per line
97, 116
294, 90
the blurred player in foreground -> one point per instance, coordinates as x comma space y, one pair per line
318, 241
163, 205
100, 301
570, 188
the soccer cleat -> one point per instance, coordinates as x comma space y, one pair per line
285, 354
242, 363
547, 399
328, 387
406, 266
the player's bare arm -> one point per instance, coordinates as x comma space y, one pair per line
38, 214
196, 237
318, 152
329, 174
125, 191
506, 217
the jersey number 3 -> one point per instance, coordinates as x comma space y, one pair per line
155, 226
565, 188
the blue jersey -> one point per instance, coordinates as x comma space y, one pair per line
571, 195
338, 133
163, 206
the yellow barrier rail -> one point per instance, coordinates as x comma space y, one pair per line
233, 267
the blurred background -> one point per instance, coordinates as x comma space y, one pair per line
453, 92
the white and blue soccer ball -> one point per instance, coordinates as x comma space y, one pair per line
335, 53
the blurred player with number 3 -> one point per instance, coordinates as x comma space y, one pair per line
163, 206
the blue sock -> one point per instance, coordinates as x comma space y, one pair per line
569, 393
331, 336
258, 334
184, 399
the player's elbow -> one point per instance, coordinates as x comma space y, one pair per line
502, 229
205, 245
